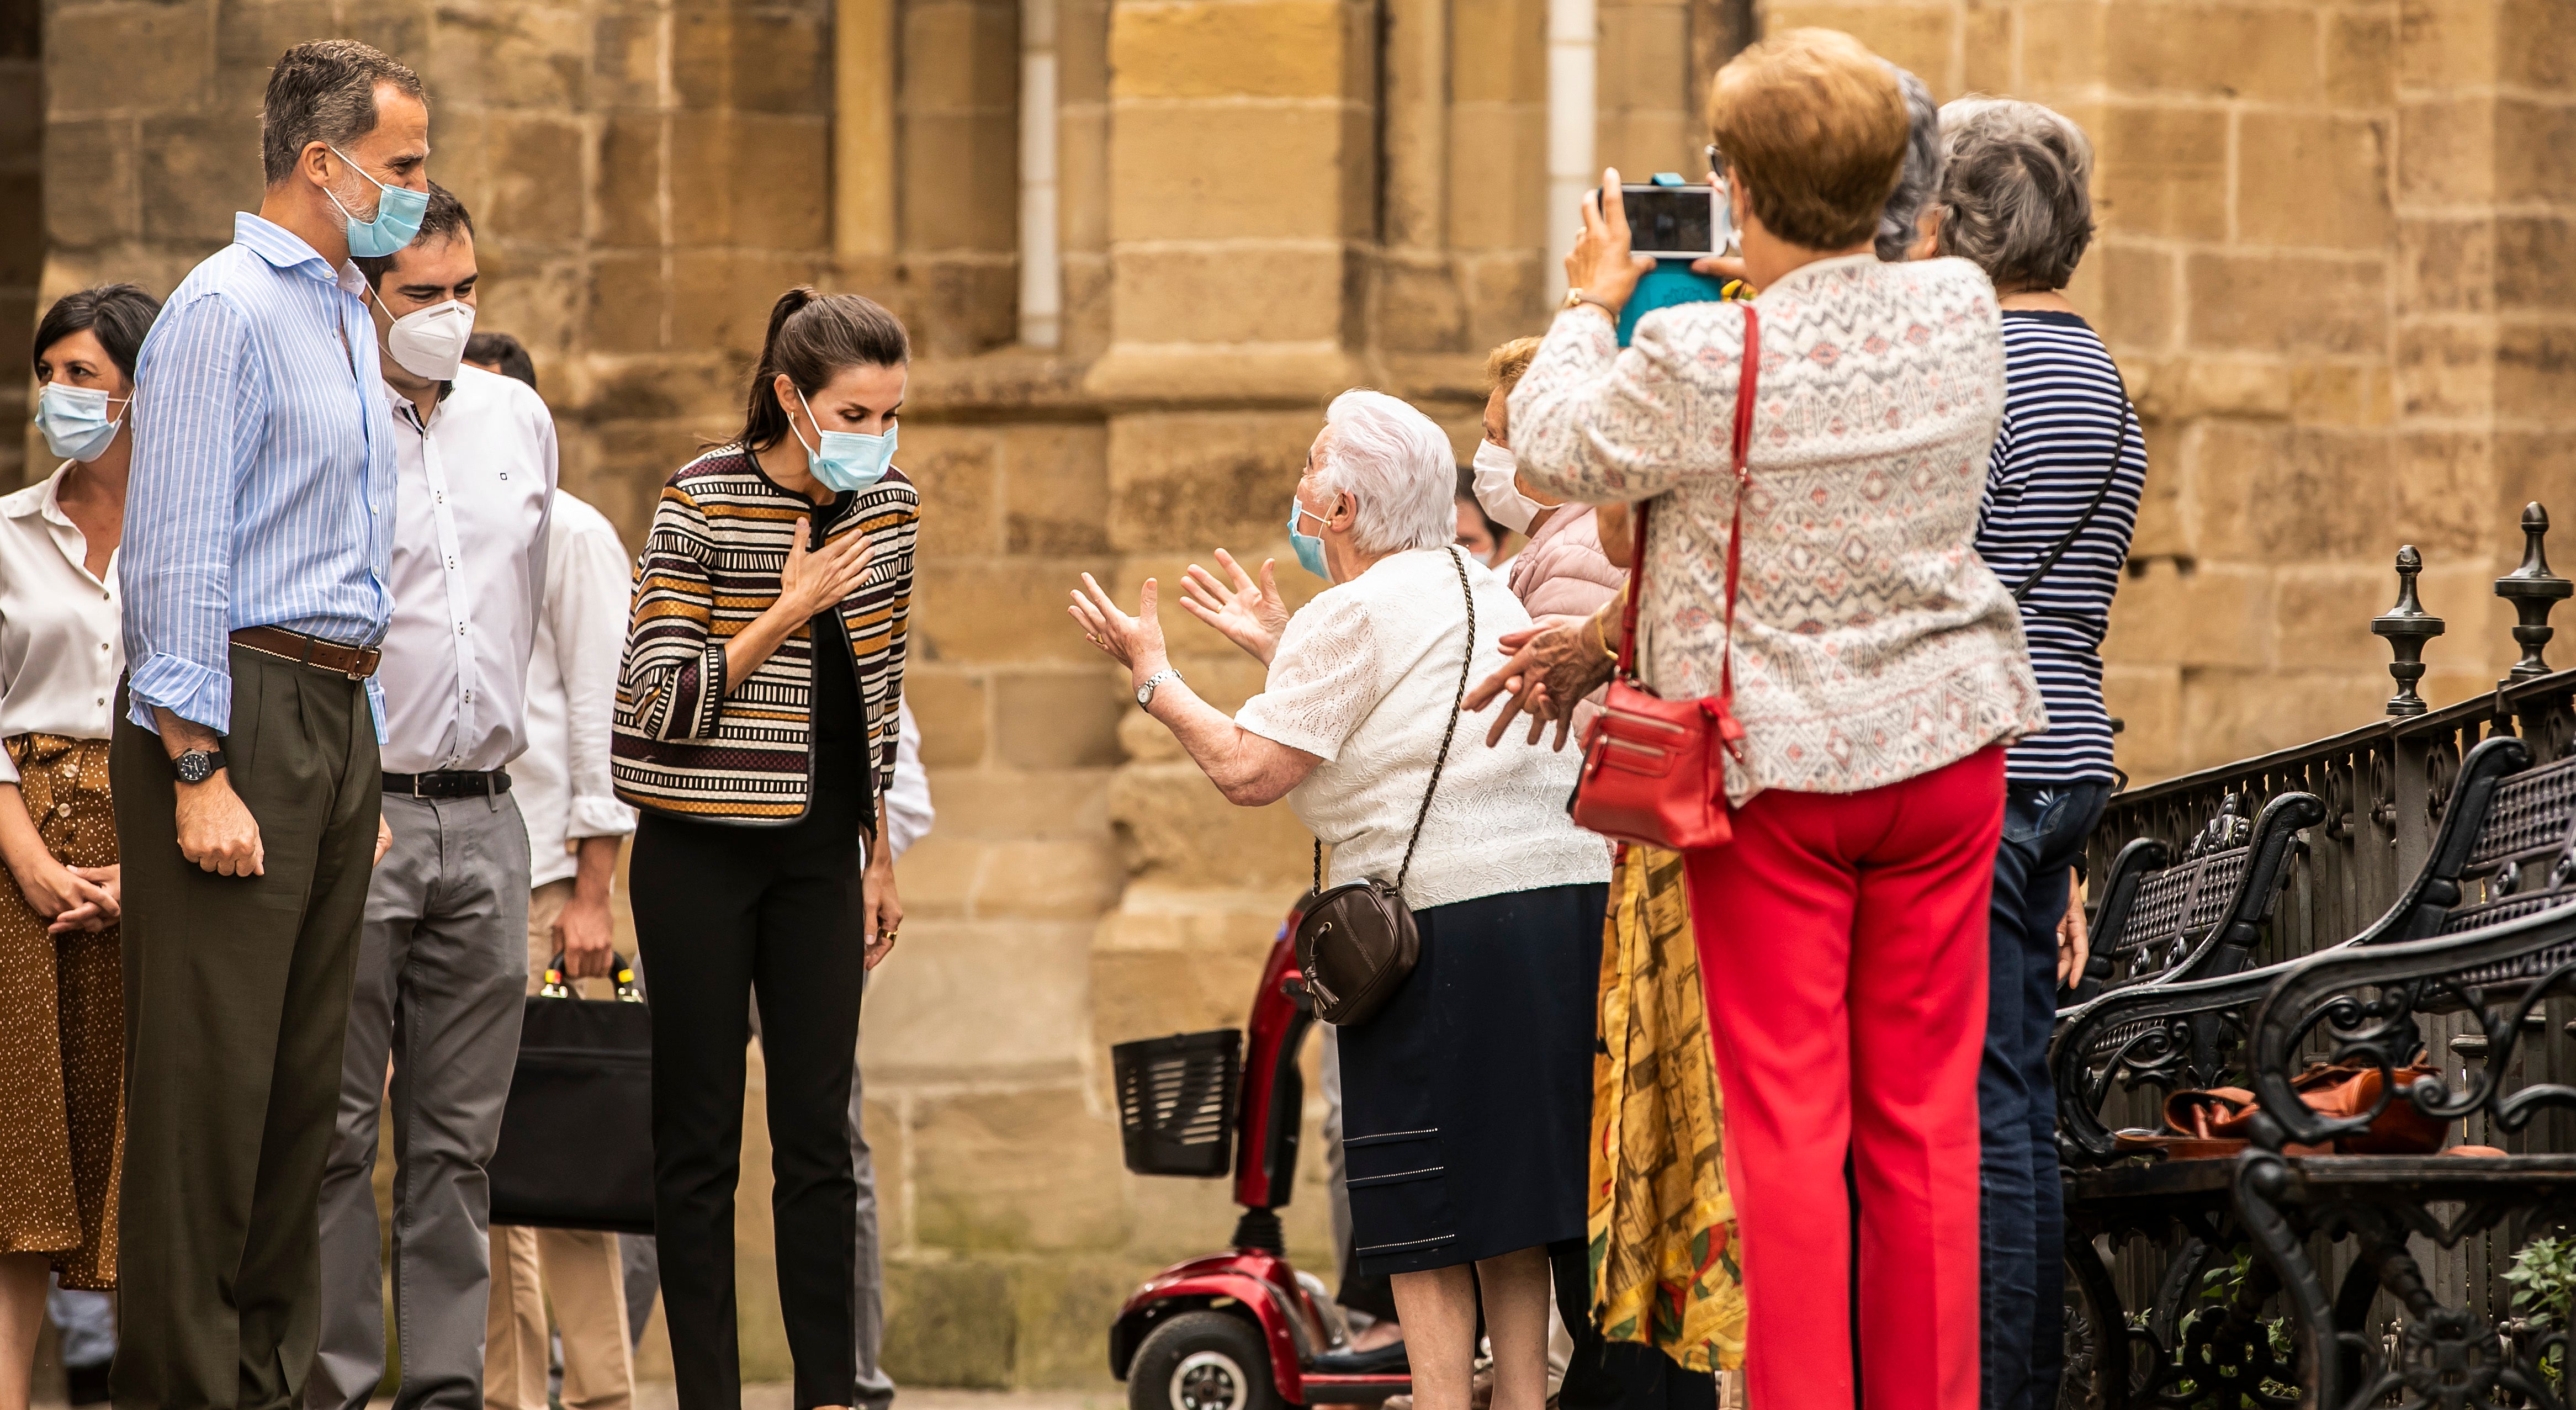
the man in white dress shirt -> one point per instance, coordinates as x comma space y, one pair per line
575, 827
442, 960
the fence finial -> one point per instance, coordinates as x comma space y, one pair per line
2407, 626
2533, 590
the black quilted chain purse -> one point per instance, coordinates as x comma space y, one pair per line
1356, 943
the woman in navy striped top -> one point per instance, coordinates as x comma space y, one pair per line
2062, 491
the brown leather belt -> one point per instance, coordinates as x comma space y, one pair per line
355, 662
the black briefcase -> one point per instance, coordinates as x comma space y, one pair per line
576, 1146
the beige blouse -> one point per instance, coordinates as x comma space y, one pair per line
61, 649
1871, 643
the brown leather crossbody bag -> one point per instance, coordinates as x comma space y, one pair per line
1356, 942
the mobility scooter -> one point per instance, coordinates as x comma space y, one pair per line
1239, 1330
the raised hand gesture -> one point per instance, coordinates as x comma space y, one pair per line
1133, 642
1248, 614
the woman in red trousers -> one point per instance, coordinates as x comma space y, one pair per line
1878, 669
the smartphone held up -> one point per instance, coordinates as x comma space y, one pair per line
1675, 223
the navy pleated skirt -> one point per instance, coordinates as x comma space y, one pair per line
1467, 1100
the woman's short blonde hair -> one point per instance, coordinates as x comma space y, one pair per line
1505, 364
1815, 127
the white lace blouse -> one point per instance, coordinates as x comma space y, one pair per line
1364, 678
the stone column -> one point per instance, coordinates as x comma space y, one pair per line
957, 173
22, 243
1243, 181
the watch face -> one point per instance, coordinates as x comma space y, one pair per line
196, 766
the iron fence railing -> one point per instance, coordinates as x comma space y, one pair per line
2384, 784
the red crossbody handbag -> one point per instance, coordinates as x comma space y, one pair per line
1654, 770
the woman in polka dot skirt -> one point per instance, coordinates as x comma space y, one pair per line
62, 1010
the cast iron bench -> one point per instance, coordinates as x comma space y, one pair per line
2487, 927
2160, 920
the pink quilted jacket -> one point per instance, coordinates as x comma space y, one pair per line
1562, 570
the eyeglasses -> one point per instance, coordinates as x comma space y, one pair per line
1716, 158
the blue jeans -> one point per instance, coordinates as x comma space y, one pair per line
2024, 1222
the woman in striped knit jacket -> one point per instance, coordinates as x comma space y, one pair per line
756, 730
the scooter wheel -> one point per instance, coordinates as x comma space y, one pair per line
1203, 1361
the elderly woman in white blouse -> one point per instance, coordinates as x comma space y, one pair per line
1466, 1100
62, 1011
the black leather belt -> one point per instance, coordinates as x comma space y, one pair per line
449, 783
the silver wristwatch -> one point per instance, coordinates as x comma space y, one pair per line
1154, 682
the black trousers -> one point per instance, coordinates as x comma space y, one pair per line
236, 1007
724, 914
1615, 1375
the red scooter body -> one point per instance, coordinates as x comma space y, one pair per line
1193, 1332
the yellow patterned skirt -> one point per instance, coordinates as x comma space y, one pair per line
62, 1033
1662, 1223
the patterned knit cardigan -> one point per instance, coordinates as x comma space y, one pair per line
1871, 643
720, 538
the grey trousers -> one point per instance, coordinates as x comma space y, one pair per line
876, 1388
86, 1321
442, 974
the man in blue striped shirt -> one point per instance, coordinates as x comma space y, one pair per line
258, 529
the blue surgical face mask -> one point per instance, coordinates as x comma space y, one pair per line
76, 422
1310, 549
847, 460
397, 218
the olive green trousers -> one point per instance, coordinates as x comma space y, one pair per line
236, 1007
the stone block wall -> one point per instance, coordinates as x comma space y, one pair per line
644, 178
2333, 263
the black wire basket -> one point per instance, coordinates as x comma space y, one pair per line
1176, 1102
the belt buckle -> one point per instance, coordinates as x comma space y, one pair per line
357, 660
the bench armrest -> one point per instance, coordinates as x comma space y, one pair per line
2528, 958
2230, 943
2428, 899
2155, 1031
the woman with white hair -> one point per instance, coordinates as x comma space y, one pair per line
1467, 1098
2061, 498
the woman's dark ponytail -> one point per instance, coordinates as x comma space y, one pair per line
812, 338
